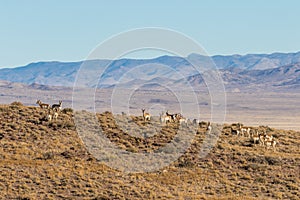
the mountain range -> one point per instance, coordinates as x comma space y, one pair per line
271, 70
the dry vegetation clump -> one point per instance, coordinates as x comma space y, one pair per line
40, 159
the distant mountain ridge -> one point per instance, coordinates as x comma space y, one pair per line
277, 68
257, 61
284, 76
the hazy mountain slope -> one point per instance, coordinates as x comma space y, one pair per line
277, 76
47, 73
257, 61
286, 76
108, 73
64, 73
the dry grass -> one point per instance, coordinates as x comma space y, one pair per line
47, 160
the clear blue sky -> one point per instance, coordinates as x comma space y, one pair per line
67, 30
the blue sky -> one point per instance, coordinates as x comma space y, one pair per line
68, 30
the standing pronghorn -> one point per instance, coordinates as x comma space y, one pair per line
55, 115
256, 138
57, 107
164, 119
270, 142
183, 121
208, 127
172, 116
245, 131
51, 115
146, 116
236, 130
264, 140
42, 105
196, 122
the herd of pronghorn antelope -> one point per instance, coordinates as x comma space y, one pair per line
257, 137
167, 118
238, 129
52, 110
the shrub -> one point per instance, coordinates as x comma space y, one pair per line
273, 160
48, 155
68, 124
17, 103
67, 110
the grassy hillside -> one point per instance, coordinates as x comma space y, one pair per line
47, 160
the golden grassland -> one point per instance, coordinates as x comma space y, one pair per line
47, 160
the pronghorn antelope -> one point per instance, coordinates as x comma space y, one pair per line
203, 124
42, 105
261, 138
258, 138
55, 115
178, 116
271, 143
268, 137
183, 121
268, 141
264, 139
255, 137
57, 107
240, 130
52, 115
146, 116
49, 116
172, 116
245, 131
195, 122
208, 126
235, 131
165, 119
